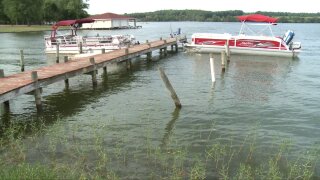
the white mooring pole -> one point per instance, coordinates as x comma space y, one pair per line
213, 78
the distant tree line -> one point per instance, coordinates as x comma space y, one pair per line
221, 16
40, 11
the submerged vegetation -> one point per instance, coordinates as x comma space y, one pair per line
221, 16
64, 151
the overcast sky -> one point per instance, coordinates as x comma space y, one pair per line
131, 6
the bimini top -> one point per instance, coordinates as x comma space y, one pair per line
257, 18
75, 23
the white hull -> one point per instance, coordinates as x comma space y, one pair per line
241, 50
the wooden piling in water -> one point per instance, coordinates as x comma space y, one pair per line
176, 47
149, 54
169, 87
21, 60
213, 77
223, 61
94, 72
66, 81
57, 53
103, 51
37, 91
165, 51
227, 47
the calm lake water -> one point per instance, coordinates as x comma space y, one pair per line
271, 100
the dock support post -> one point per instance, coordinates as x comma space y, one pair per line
128, 64
149, 56
176, 46
57, 53
160, 38
223, 61
169, 87
22, 60
37, 91
6, 103
103, 51
227, 51
213, 78
171, 48
80, 48
66, 81
105, 69
94, 72
128, 61
165, 51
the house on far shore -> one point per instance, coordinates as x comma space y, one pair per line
110, 21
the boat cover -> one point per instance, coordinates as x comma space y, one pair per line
257, 18
72, 22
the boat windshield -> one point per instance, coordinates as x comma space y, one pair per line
257, 29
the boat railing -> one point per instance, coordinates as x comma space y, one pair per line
61, 40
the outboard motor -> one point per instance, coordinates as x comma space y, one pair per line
288, 36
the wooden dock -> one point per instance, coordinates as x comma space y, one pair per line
33, 81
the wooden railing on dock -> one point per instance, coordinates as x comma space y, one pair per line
25, 82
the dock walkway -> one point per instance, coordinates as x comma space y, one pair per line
25, 82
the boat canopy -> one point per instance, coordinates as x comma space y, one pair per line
75, 24
257, 18
72, 22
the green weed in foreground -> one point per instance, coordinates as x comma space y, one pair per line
66, 151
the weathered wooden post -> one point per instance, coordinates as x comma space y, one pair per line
213, 77
223, 61
57, 53
128, 61
6, 103
80, 48
149, 54
171, 48
165, 51
66, 81
94, 72
169, 87
103, 51
105, 70
160, 38
227, 51
37, 91
176, 46
22, 60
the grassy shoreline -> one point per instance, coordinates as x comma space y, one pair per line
60, 151
23, 28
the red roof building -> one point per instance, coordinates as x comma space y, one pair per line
110, 21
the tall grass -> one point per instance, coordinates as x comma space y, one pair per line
64, 151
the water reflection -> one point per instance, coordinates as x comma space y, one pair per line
256, 78
169, 129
